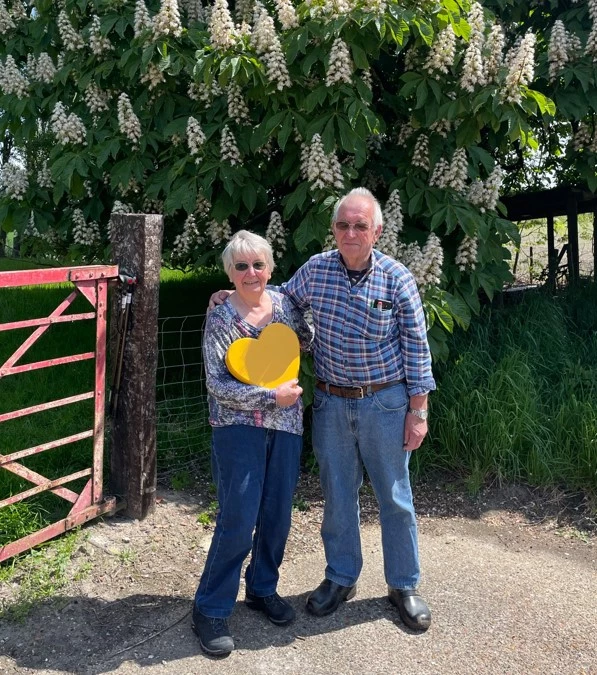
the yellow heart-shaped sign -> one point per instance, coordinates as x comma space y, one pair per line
267, 361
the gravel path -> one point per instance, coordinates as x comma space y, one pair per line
512, 589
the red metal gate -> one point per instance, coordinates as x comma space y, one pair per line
92, 283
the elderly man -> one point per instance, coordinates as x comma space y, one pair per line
373, 370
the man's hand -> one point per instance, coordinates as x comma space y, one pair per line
218, 298
287, 393
415, 430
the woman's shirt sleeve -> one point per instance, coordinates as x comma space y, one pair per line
229, 391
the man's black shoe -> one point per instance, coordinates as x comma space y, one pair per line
412, 608
326, 598
214, 634
276, 609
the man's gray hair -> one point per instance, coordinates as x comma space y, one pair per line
246, 244
361, 192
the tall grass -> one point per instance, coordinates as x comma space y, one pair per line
519, 400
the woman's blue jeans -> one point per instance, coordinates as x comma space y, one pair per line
256, 471
350, 433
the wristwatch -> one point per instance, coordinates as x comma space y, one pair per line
421, 414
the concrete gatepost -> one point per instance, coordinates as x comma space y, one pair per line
136, 248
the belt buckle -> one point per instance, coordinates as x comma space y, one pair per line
360, 392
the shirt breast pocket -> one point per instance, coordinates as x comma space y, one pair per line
377, 325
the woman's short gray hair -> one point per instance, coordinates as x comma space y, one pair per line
245, 243
361, 192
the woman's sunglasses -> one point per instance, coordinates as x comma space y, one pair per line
258, 266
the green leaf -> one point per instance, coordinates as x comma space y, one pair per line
359, 57
546, 105
285, 131
249, 197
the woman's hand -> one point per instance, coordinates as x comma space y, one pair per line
287, 393
218, 298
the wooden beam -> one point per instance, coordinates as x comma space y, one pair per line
572, 217
552, 254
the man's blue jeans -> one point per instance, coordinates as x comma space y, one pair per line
255, 471
350, 433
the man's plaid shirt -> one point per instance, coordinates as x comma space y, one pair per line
357, 342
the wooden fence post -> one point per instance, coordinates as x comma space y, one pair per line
137, 249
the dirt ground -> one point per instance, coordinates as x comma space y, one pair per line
130, 609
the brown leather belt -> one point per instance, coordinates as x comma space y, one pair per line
355, 392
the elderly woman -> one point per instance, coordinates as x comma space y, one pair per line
256, 447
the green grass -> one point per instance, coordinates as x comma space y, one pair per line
180, 295
519, 401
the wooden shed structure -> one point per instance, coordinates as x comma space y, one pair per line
560, 201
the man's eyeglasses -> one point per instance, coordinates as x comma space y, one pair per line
341, 226
258, 266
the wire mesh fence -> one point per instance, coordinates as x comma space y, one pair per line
183, 431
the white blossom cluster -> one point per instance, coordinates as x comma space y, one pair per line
237, 106
30, 229
219, 232
367, 78
439, 175
286, 14
421, 152
195, 137
493, 186
466, 255
330, 242
44, 69
96, 99
18, 10
243, 10
71, 40
153, 76
187, 240
441, 127
495, 49
340, 66
13, 181
557, 52
142, 20
153, 206
44, 177
67, 128
276, 235
98, 43
221, 26
406, 131
377, 7
328, 9
372, 181
84, 234
443, 51
521, 69
473, 68
425, 264
485, 195
204, 92
267, 44
591, 46
458, 172
195, 10
167, 20
12, 80
582, 137
389, 242
321, 170
128, 122
118, 207
6, 22
229, 151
